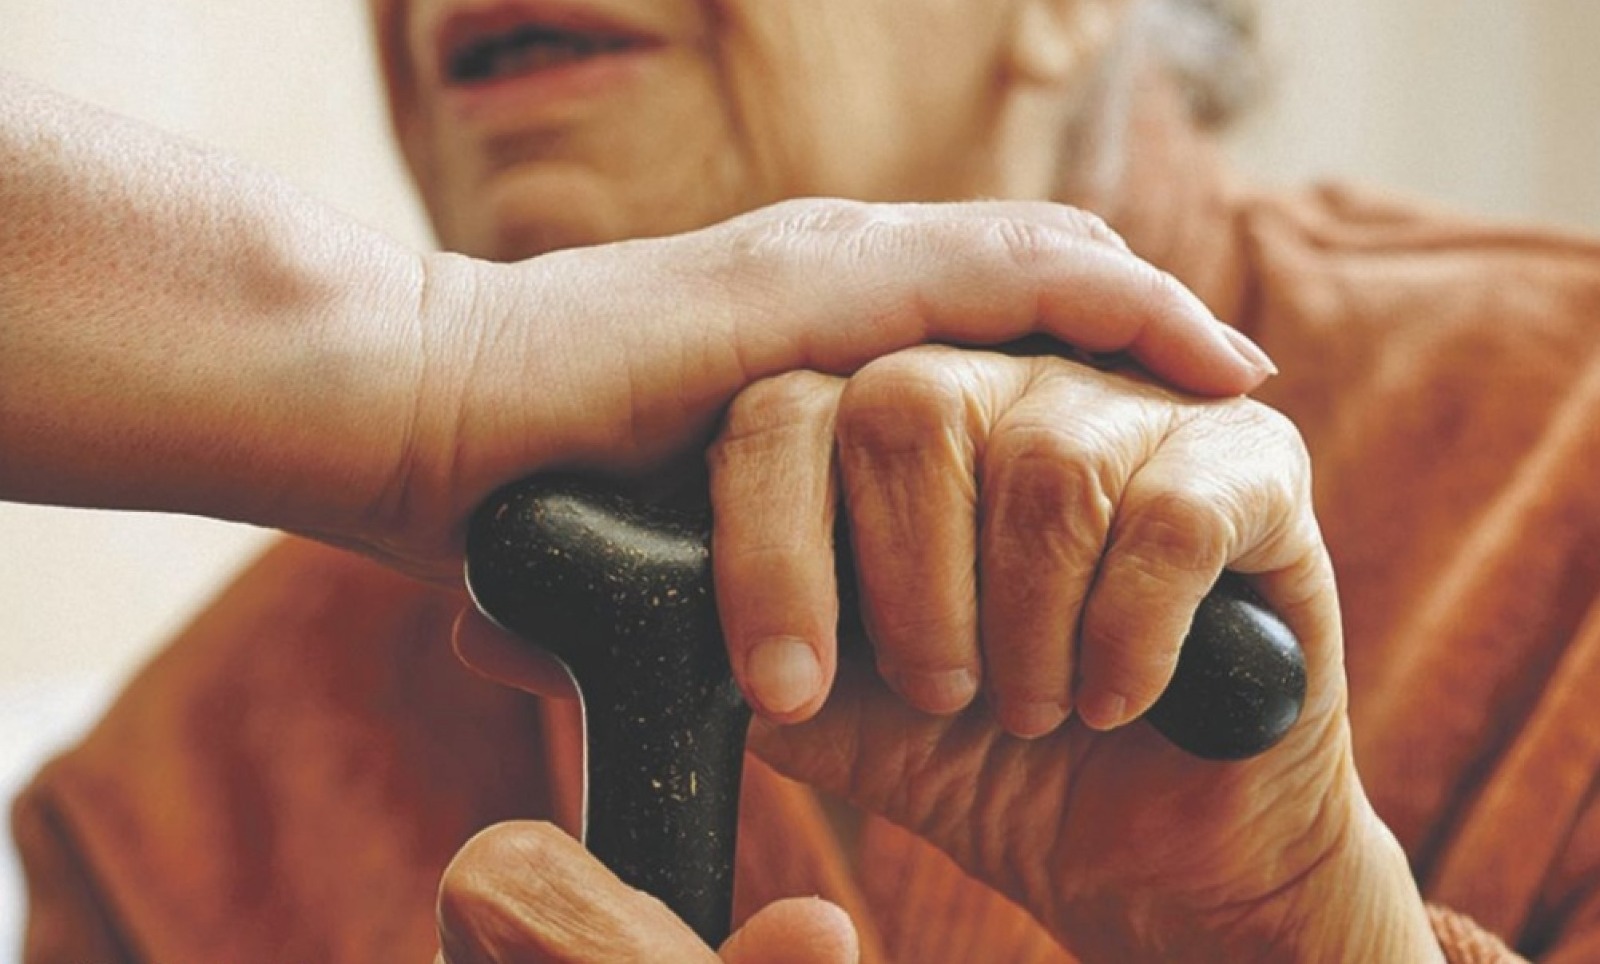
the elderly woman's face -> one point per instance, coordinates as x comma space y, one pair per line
537, 124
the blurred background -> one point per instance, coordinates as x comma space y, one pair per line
1491, 106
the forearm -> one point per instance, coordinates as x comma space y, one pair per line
179, 333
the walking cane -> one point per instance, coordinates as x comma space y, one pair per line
621, 592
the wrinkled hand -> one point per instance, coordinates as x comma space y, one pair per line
1000, 508
527, 893
1043, 531
620, 358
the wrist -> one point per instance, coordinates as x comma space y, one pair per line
1336, 889
1360, 904
389, 335
352, 402
427, 356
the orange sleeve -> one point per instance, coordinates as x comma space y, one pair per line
68, 919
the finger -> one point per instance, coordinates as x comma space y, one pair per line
1201, 502
499, 656
824, 285
1055, 464
908, 426
1289, 566
772, 489
1304, 594
528, 893
978, 273
955, 780
801, 930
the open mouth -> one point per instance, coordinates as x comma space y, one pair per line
485, 54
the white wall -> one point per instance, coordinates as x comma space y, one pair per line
1493, 105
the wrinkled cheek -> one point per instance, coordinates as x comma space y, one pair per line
761, 73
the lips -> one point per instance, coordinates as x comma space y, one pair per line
484, 47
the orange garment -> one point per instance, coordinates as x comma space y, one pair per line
288, 780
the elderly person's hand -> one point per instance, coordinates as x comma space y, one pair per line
1044, 530
1123, 847
1000, 508
528, 893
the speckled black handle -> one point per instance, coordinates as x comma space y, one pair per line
621, 591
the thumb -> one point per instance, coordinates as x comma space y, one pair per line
801, 930
527, 892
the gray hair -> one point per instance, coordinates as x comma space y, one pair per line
1211, 50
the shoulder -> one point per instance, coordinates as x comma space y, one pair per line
1429, 315
1339, 248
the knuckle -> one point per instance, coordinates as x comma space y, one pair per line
758, 566
1268, 458
1177, 529
1027, 244
1152, 292
463, 898
1159, 288
778, 231
899, 405
1052, 461
779, 404
1272, 427
1091, 226
510, 844
801, 218
1291, 445
1048, 485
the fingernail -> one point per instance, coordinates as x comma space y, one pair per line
1249, 350
1103, 711
783, 673
1029, 720
942, 692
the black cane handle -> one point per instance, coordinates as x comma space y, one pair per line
621, 591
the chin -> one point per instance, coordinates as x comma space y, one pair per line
539, 211
514, 239
523, 215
